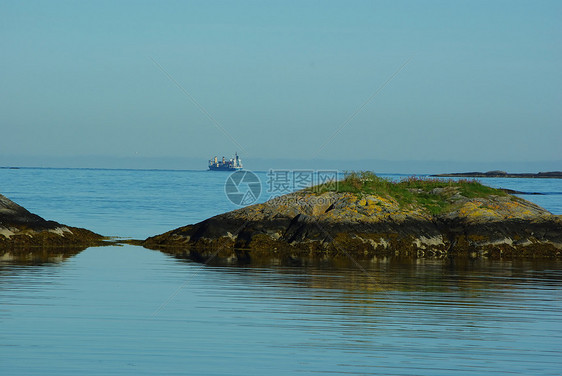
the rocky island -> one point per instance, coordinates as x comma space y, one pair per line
503, 174
22, 231
364, 216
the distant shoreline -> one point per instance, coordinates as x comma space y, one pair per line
476, 174
503, 174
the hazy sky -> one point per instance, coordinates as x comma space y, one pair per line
469, 80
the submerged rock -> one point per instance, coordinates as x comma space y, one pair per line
439, 222
22, 231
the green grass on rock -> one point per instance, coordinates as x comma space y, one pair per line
435, 195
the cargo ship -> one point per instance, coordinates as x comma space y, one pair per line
233, 164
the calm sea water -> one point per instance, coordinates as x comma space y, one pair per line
129, 310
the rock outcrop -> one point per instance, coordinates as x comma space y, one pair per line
22, 231
307, 224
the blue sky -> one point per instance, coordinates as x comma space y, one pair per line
473, 81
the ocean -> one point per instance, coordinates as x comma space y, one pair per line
120, 310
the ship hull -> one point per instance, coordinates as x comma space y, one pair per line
224, 168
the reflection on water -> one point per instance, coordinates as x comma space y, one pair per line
128, 310
37, 256
403, 273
